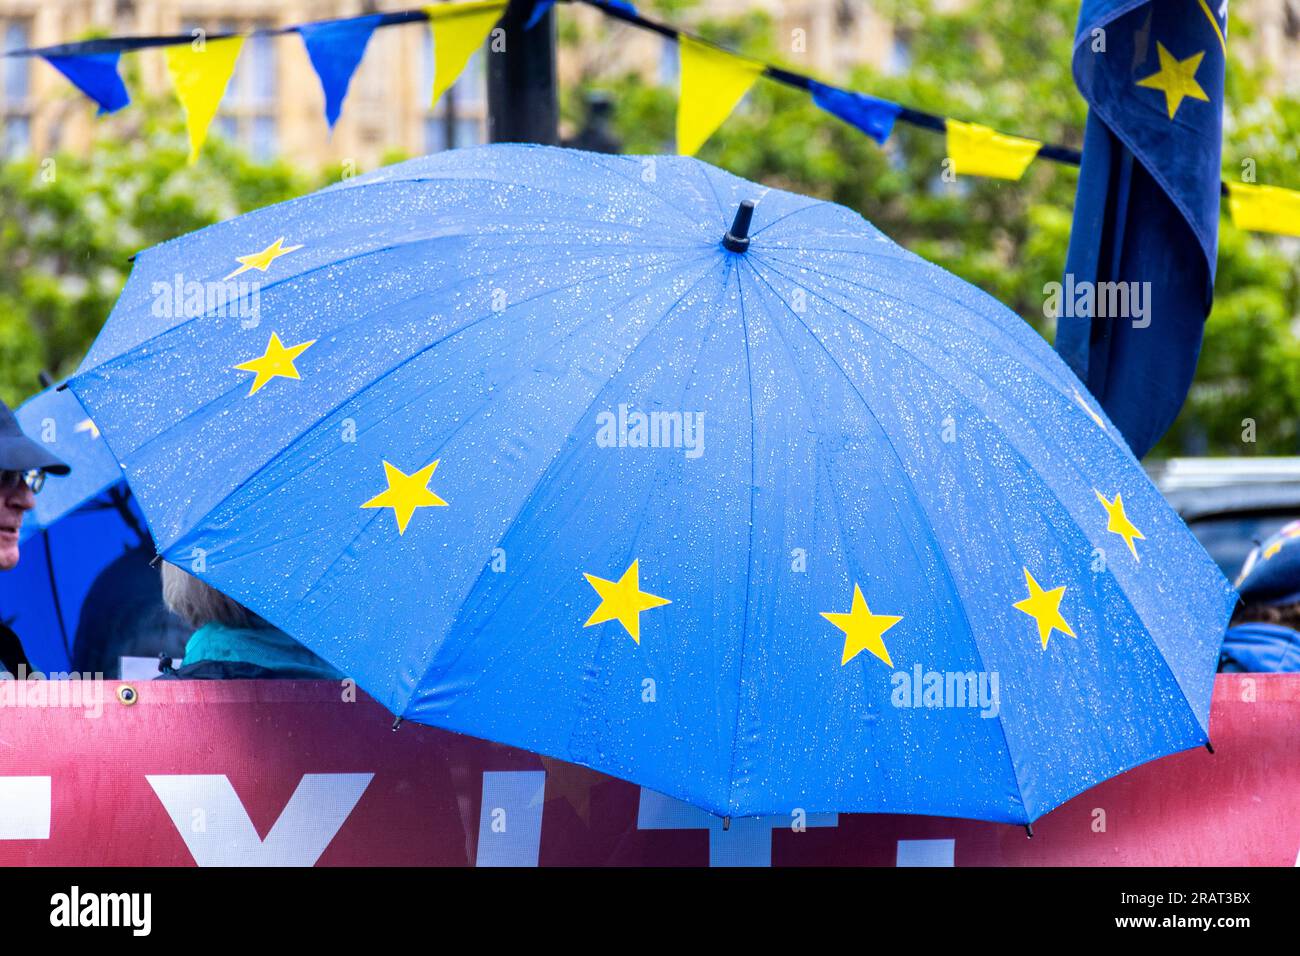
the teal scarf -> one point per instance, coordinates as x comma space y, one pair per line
265, 646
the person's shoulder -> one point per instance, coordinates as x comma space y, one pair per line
12, 654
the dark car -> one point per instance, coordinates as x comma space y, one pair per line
1231, 503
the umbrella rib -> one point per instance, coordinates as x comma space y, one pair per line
645, 505
900, 254
1036, 367
815, 204
626, 561
749, 558
360, 320
907, 259
805, 393
366, 253
1033, 367
120, 357
921, 510
1021, 455
663, 200
595, 316
550, 466
834, 499
717, 200
641, 186
351, 396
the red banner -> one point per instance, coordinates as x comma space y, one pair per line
286, 773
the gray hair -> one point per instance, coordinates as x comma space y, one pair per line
197, 604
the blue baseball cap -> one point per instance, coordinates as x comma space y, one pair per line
20, 453
1271, 574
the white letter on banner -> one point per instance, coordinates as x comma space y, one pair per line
309, 821
747, 842
926, 852
24, 808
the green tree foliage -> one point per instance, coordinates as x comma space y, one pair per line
70, 222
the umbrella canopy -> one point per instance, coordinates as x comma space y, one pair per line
83, 594
518, 439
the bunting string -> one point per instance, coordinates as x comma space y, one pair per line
713, 82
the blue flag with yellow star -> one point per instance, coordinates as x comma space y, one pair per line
1140, 271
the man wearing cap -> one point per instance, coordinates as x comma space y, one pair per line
1265, 631
23, 466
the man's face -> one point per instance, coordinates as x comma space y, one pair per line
14, 502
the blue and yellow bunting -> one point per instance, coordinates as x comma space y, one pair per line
458, 30
713, 82
977, 150
1264, 208
200, 73
872, 116
95, 75
335, 48
1179, 73
542, 7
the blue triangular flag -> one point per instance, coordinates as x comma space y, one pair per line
95, 74
335, 48
539, 10
874, 117
541, 6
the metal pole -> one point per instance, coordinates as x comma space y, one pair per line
449, 118
522, 102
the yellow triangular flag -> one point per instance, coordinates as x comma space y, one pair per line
976, 150
1264, 208
200, 77
713, 81
458, 30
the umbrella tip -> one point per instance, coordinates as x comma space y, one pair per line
1029, 830
1209, 746
737, 237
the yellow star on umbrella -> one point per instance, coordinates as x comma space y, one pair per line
1045, 608
1176, 78
1119, 522
863, 631
261, 261
276, 360
623, 600
405, 493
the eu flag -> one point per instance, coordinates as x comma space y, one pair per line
1146, 215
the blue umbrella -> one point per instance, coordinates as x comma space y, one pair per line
564, 451
84, 588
